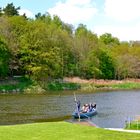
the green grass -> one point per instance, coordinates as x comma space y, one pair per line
129, 85
16, 83
118, 86
134, 125
62, 86
61, 131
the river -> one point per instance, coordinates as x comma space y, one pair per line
114, 107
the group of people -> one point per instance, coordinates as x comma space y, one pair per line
86, 107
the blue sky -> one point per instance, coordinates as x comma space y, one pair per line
121, 18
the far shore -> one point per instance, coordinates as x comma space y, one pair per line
101, 84
100, 81
23, 85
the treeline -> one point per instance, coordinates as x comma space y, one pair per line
46, 48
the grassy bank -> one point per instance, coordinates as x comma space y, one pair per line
61, 131
25, 85
116, 86
127, 85
17, 84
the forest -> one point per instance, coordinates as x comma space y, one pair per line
46, 48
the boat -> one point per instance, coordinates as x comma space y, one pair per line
81, 115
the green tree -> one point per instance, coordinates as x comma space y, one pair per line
109, 40
44, 17
18, 28
91, 69
106, 65
1, 11
84, 43
11, 10
4, 59
127, 60
40, 53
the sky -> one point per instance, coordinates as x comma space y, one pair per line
121, 18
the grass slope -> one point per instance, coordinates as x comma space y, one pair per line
61, 131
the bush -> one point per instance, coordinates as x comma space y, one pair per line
62, 86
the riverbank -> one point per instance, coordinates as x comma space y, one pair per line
134, 124
100, 84
24, 85
61, 131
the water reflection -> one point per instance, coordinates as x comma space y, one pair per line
113, 107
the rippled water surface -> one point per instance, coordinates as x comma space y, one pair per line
114, 107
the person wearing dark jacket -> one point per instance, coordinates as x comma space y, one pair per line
78, 104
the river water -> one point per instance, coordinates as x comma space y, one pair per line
114, 107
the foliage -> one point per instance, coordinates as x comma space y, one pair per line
106, 65
40, 53
0, 11
134, 125
56, 85
11, 10
46, 48
109, 40
16, 85
84, 43
4, 59
128, 85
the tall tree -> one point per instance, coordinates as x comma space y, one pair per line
84, 43
4, 59
40, 53
0, 11
109, 40
18, 28
106, 65
11, 30
11, 10
44, 17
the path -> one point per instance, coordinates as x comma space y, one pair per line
123, 130
89, 123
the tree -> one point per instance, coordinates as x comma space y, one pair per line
91, 66
127, 60
0, 11
39, 52
109, 40
106, 65
84, 43
69, 28
18, 28
11, 10
57, 21
4, 59
38, 15
44, 17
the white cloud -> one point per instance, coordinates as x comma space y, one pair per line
74, 11
27, 12
78, 2
122, 10
124, 33
121, 18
